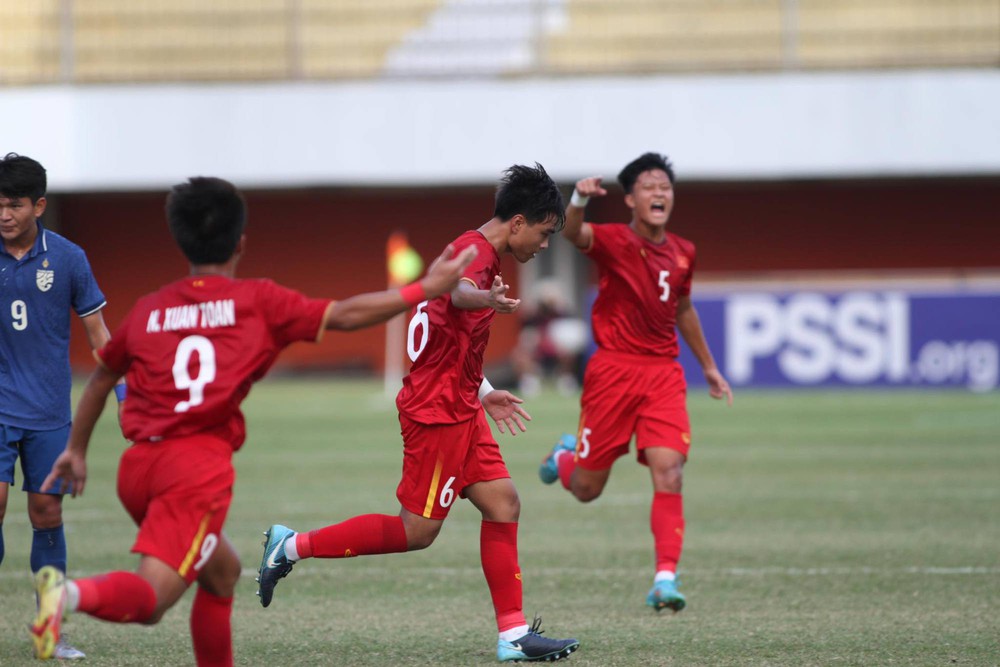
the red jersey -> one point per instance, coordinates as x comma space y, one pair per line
446, 345
192, 349
640, 285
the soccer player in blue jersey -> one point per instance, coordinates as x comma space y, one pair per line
42, 276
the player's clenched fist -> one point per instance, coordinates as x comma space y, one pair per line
591, 187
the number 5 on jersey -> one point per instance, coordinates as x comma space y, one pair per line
664, 275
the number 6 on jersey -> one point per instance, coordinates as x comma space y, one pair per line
420, 319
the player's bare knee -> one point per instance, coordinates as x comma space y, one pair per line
420, 536
507, 511
45, 515
515, 508
419, 541
156, 616
586, 494
222, 580
670, 480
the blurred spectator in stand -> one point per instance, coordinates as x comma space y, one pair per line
551, 342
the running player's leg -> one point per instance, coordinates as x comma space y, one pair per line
179, 493
118, 597
663, 441
667, 525
211, 628
432, 460
500, 507
498, 502
492, 492
608, 413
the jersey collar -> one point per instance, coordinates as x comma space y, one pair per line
41, 242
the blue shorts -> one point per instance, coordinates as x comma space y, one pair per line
38, 451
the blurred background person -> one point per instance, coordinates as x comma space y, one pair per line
551, 343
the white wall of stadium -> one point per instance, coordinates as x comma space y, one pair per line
453, 132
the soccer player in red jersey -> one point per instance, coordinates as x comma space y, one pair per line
191, 352
633, 384
448, 449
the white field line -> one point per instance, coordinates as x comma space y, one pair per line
320, 570
330, 570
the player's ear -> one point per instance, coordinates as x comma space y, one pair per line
517, 222
241, 245
630, 200
40, 207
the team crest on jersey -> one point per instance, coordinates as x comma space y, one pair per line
682, 262
44, 279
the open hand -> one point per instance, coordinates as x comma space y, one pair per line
499, 301
717, 385
505, 408
68, 470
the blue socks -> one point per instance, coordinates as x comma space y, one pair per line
48, 547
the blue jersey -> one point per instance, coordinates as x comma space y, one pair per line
36, 294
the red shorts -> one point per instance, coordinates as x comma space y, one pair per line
178, 493
441, 460
625, 394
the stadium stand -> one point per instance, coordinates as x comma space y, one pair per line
30, 42
49, 41
858, 33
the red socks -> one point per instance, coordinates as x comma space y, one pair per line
119, 597
360, 536
383, 534
566, 463
210, 630
667, 522
498, 552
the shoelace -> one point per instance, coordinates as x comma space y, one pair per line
536, 626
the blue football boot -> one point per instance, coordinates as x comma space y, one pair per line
664, 595
549, 471
273, 565
533, 647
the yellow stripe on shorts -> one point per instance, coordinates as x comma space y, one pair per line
432, 493
195, 545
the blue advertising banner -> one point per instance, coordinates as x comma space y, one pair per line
888, 338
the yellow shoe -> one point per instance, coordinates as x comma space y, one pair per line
50, 587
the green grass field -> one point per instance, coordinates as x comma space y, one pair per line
854, 528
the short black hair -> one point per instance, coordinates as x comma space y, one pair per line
20, 176
532, 193
645, 162
206, 216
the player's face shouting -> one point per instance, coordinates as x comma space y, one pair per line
652, 197
526, 240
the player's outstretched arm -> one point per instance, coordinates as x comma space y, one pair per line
365, 310
689, 324
468, 297
576, 231
71, 466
